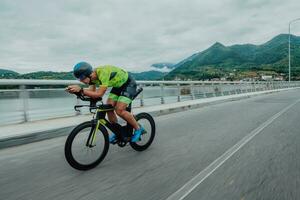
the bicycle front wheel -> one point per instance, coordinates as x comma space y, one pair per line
84, 152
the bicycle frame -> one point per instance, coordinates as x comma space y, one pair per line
101, 111
115, 128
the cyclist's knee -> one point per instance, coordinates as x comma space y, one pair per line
120, 111
111, 102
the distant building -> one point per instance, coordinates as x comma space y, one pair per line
249, 79
266, 77
279, 78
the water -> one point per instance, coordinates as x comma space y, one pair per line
46, 104
57, 103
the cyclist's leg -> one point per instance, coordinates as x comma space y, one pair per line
112, 118
124, 114
112, 99
125, 98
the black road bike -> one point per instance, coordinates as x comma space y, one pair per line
88, 143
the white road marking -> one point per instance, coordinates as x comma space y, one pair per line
187, 188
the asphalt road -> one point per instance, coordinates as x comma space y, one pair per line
267, 166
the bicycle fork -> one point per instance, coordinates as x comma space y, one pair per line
92, 135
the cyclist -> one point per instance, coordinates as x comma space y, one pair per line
120, 96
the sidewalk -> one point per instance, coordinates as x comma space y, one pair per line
17, 134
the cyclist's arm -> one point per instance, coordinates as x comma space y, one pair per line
91, 88
96, 93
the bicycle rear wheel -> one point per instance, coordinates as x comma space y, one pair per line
78, 151
148, 135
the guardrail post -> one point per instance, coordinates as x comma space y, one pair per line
213, 88
178, 90
142, 98
280, 84
261, 85
24, 95
220, 89
204, 90
236, 88
192, 91
224, 90
242, 85
162, 100
248, 87
264, 86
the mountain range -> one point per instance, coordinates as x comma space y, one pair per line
219, 60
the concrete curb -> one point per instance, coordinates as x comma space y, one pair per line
34, 137
48, 134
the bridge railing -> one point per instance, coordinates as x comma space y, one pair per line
29, 100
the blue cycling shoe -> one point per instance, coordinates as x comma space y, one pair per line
112, 138
137, 134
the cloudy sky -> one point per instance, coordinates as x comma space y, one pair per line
54, 35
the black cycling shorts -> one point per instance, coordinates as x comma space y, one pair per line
125, 93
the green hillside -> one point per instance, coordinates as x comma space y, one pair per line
48, 75
220, 61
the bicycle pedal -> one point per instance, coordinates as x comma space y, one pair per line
122, 144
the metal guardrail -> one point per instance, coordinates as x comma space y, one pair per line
185, 90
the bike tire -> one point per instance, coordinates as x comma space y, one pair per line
135, 145
68, 147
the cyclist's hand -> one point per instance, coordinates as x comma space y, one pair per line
67, 89
73, 88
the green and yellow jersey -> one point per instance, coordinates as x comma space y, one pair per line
110, 76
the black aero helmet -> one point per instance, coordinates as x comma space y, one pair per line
82, 70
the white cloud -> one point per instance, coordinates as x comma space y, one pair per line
54, 35
164, 69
